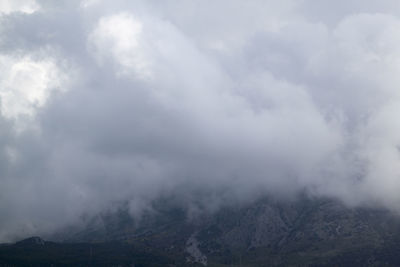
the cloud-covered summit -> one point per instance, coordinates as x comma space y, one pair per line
211, 102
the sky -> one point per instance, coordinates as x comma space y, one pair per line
211, 103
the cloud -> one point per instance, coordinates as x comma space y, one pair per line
25, 85
24, 6
211, 103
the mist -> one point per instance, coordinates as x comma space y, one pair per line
208, 102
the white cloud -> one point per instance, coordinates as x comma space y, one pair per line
119, 36
24, 6
25, 85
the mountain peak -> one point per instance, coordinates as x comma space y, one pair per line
34, 240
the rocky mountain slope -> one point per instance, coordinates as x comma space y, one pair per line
306, 232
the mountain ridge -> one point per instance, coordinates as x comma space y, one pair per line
306, 232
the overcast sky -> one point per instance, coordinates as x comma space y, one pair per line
209, 102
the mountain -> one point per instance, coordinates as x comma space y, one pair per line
305, 232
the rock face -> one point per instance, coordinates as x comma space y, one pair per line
195, 255
265, 233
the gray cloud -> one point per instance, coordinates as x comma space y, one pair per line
209, 102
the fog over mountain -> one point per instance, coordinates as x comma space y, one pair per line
209, 102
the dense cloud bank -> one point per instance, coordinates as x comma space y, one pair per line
211, 102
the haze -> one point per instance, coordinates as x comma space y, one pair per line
208, 102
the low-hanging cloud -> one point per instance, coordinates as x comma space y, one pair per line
209, 102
